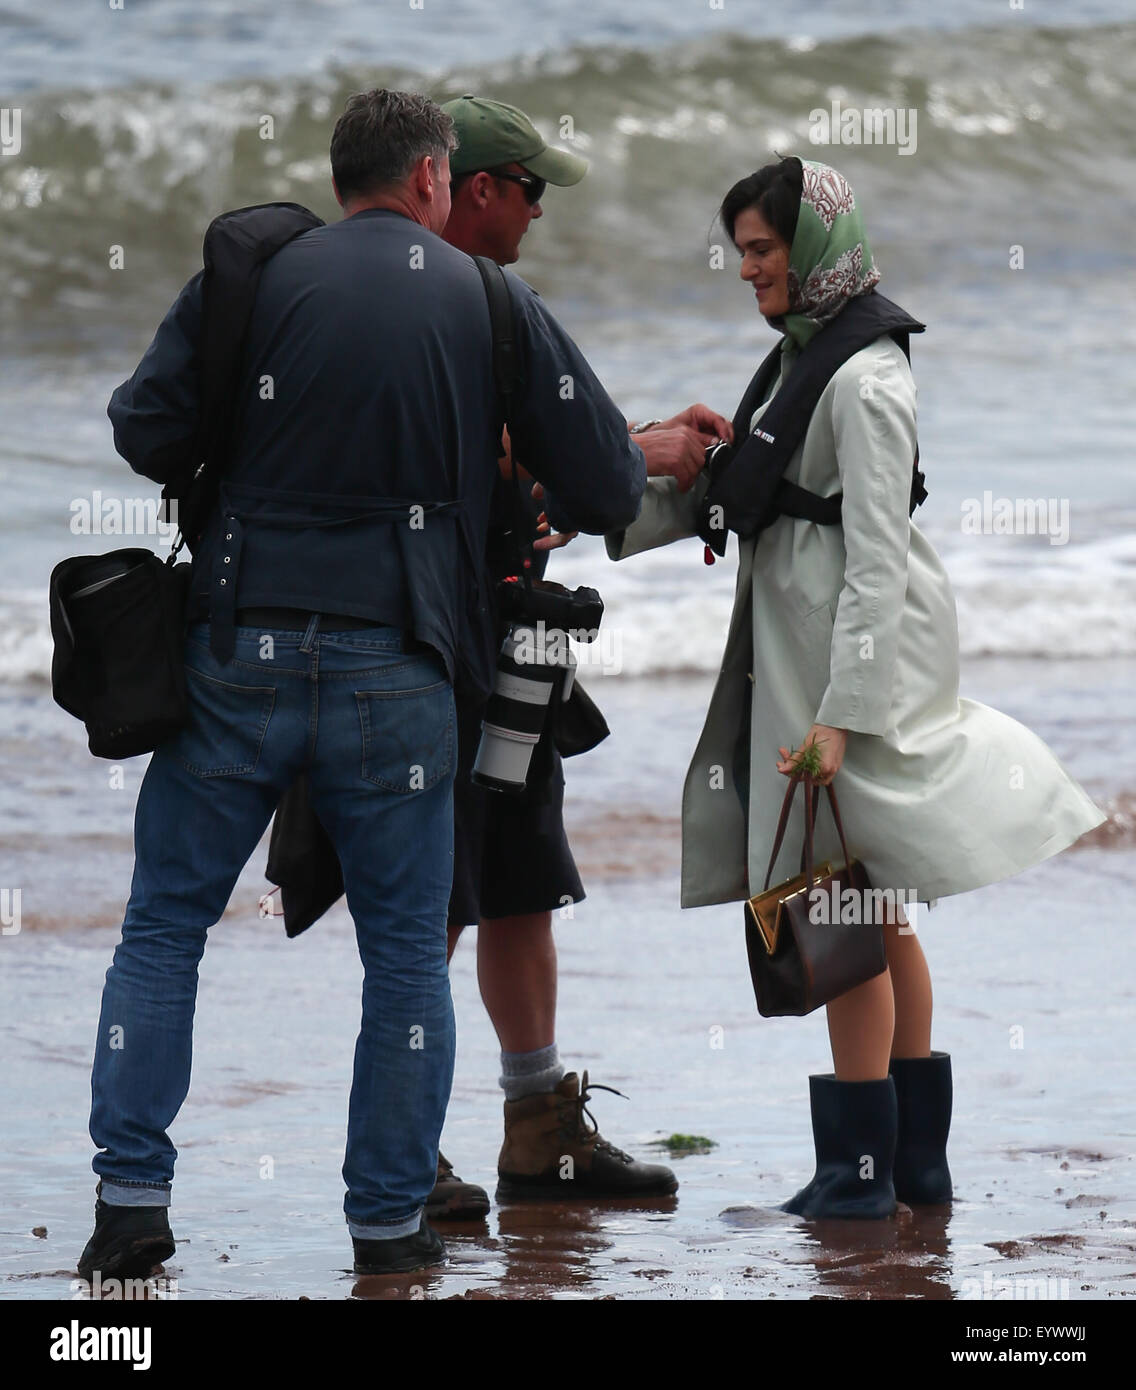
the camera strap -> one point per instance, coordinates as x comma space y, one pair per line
506, 374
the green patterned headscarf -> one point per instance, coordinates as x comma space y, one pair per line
830, 261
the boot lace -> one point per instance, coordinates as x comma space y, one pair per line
592, 1129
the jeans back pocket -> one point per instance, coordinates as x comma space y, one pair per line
226, 727
408, 736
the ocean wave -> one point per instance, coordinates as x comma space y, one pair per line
1002, 115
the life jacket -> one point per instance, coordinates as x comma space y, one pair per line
747, 492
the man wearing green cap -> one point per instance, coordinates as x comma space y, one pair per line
512, 861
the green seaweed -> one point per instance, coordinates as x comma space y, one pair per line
680, 1145
807, 758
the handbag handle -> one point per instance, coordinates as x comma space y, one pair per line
812, 798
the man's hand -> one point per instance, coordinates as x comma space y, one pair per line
676, 448
505, 461
677, 453
549, 539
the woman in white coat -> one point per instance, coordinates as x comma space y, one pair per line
844, 635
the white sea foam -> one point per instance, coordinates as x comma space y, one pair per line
1013, 600
666, 612
25, 637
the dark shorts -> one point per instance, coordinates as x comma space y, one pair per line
511, 855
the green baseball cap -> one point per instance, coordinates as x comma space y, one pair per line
490, 134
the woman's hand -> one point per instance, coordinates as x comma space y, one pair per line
701, 418
830, 745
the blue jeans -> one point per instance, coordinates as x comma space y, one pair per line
374, 726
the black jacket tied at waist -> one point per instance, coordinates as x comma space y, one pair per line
406, 565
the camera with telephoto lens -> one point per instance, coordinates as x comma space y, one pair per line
534, 657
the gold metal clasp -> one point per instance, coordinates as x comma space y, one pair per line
772, 902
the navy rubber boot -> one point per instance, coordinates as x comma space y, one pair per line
923, 1092
854, 1129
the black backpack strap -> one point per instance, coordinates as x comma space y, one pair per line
236, 247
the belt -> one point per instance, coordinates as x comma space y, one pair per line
297, 619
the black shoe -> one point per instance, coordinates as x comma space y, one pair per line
400, 1255
924, 1093
854, 1127
454, 1200
127, 1242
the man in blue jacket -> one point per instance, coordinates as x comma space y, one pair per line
333, 603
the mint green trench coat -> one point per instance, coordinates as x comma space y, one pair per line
854, 626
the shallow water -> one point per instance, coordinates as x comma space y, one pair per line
1041, 1152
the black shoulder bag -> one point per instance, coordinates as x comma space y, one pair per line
118, 620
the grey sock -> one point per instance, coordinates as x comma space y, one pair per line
529, 1073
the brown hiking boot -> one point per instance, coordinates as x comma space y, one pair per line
551, 1153
454, 1200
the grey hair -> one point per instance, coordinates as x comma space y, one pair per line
382, 135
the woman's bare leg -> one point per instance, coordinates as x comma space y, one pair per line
860, 1025
911, 987
889, 1016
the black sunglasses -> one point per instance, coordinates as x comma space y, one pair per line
534, 188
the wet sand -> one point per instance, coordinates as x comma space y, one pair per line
1042, 1145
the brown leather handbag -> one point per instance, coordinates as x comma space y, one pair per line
797, 963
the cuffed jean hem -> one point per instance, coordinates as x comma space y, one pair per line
386, 1230
132, 1194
